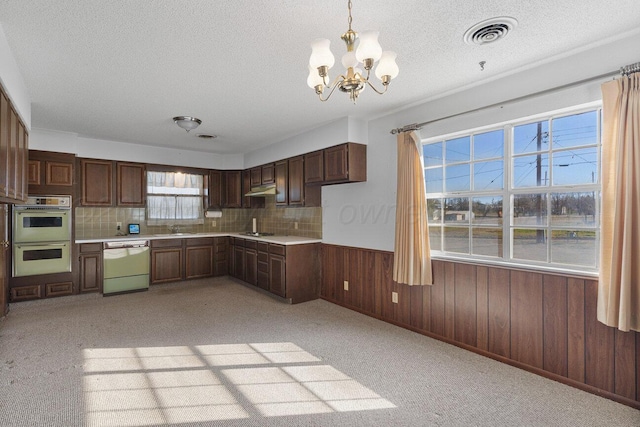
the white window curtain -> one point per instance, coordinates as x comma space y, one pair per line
619, 281
174, 198
412, 258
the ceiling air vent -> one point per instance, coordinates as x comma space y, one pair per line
490, 31
206, 136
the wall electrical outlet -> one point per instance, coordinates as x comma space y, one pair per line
213, 222
346, 285
118, 224
394, 297
295, 225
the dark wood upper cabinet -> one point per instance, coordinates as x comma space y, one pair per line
255, 176
4, 145
50, 173
268, 174
13, 153
232, 189
296, 181
281, 178
215, 189
314, 167
247, 183
336, 165
13, 144
97, 182
345, 163
131, 182
57, 173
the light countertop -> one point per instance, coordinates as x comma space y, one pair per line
280, 240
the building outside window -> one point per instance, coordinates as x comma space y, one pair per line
523, 192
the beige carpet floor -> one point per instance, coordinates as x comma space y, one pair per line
216, 352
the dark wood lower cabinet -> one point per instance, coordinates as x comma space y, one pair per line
221, 257
166, 265
251, 266
277, 275
291, 272
90, 268
542, 322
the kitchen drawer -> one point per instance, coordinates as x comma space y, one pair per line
277, 249
252, 244
90, 247
166, 243
263, 247
263, 267
23, 293
58, 289
199, 241
263, 257
236, 241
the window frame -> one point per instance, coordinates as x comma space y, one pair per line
202, 193
509, 190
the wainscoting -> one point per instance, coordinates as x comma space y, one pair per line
542, 322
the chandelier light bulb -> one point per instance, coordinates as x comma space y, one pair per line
321, 55
369, 48
349, 60
314, 78
387, 65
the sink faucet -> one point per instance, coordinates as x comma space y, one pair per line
174, 228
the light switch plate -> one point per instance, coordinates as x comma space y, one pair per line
346, 285
394, 297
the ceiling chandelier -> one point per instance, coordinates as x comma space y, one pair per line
353, 81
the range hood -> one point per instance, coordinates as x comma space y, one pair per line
264, 190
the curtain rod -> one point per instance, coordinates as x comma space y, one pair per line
625, 71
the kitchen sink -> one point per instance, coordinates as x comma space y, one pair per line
173, 234
249, 233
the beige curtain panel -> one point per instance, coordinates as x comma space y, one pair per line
619, 281
412, 260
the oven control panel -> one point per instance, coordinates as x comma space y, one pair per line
49, 201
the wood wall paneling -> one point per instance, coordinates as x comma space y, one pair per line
370, 292
416, 319
482, 307
499, 312
403, 307
465, 304
543, 321
353, 296
624, 364
526, 318
384, 273
437, 298
599, 343
555, 327
449, 300
575, 329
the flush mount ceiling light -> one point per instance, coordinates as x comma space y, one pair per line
353, 81
187, 122
490, 30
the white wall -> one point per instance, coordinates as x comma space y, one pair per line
363, 214
12, 81
65, 142
347, 129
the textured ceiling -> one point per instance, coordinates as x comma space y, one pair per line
120, 70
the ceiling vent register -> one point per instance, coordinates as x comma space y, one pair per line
490, 31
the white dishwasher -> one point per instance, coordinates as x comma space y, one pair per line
125, 266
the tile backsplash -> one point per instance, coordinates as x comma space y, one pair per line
101, 222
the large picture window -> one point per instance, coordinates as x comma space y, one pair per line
524, 192
174, 198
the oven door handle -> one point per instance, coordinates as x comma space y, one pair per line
27, 245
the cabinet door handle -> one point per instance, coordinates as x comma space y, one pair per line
5, 243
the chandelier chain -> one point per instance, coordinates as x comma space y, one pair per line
350, 18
